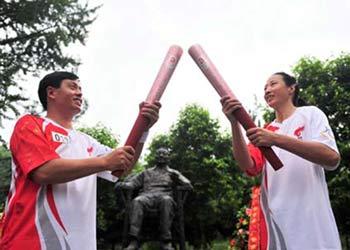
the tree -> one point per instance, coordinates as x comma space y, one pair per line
5, 174
33, 36
204, 155
326, 84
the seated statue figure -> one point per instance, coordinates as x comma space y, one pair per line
156, 191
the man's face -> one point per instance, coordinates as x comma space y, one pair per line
162, 156
68, 97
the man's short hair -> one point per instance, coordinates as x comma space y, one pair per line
54, 80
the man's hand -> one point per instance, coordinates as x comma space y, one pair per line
150, 111
261, 137
119, 159
229, 105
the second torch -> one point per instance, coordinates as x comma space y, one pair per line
214, 77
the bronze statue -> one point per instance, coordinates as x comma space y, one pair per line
156, 191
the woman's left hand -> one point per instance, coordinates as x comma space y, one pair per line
261, 137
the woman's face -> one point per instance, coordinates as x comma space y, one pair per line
277, 92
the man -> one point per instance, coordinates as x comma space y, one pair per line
52, 199
156, 186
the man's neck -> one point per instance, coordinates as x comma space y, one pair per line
65, 121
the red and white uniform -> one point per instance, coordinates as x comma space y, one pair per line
294, 199
50, 217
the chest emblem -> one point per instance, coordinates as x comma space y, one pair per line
57, 137
298, 131
327, 133
89, 150
272, 128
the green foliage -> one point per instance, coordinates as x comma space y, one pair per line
340, 197
4, 152
33, 35
204, 155
326, 84
102, 134
5, 174
268, 114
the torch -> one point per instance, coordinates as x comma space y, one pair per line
214, 77
165, 72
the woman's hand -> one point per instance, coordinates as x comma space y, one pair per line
261, 137
229, 105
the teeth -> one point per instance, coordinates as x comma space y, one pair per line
268, 98
78, 100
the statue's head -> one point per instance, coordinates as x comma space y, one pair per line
162, 156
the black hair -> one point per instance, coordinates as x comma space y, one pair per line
54, 80
291, 81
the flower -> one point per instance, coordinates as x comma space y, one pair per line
244, 216
248, 211
232, 242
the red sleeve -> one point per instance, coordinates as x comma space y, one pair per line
29, 146
258, 159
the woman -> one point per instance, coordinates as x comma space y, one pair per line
294, 200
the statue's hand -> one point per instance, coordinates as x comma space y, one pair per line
174, 176
189, 186
128, 186
123, 185
118, 185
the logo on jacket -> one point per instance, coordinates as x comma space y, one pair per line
89, 150
57, 137
327, 132
298, 131
272, 128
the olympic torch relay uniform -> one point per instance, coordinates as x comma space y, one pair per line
57, 216
294, 199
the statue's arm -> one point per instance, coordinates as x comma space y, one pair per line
134, 182
137, 181
181, 180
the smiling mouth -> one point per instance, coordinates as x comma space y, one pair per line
79, 101
269, 98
